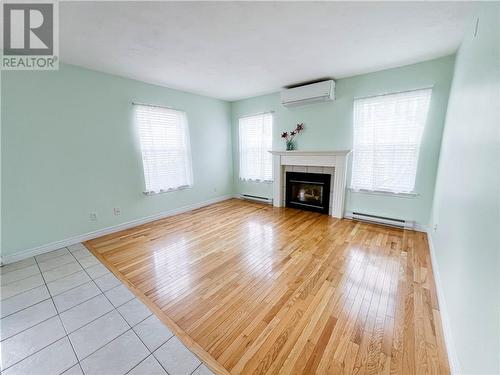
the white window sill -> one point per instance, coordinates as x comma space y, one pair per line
151, 193
384, 193
256, 181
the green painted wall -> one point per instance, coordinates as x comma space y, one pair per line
329, 127
69, 148
76, 146
467, 200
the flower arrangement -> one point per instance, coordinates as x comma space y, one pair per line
289, 136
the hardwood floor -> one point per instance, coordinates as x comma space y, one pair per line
254, 289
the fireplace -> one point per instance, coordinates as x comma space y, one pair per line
308, 191
333, 163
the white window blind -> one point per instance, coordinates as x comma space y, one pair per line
165, 148
387, 134
255, 143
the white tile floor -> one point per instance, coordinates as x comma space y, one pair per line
64, 313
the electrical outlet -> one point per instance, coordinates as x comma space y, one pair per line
215, 190
117, 211
93, 216
435, 227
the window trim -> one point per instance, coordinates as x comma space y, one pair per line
153, 193
431, 87
387, 193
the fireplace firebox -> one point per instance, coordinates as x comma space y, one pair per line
308, 191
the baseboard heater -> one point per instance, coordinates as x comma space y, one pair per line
399, 223
256, 198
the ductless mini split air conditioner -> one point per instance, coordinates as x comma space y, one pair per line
315, 92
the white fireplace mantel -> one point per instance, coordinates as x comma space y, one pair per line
333, 159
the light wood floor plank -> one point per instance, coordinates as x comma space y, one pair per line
254, 289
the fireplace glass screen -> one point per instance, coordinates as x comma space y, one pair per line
308, 191
303, 192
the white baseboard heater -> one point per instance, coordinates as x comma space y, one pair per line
256, 198
399, 223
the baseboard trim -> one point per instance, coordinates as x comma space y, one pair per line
420, 228
445, 318
24, 254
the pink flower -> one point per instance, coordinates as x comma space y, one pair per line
299, 127
284, 135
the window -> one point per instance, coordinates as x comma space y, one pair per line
165, 148
387, 134
256, 140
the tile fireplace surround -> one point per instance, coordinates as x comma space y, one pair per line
332, 162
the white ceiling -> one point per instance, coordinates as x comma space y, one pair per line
234, 50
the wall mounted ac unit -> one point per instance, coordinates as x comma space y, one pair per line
315, 92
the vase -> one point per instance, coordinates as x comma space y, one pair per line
290, 145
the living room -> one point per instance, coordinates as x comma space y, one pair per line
250, 187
